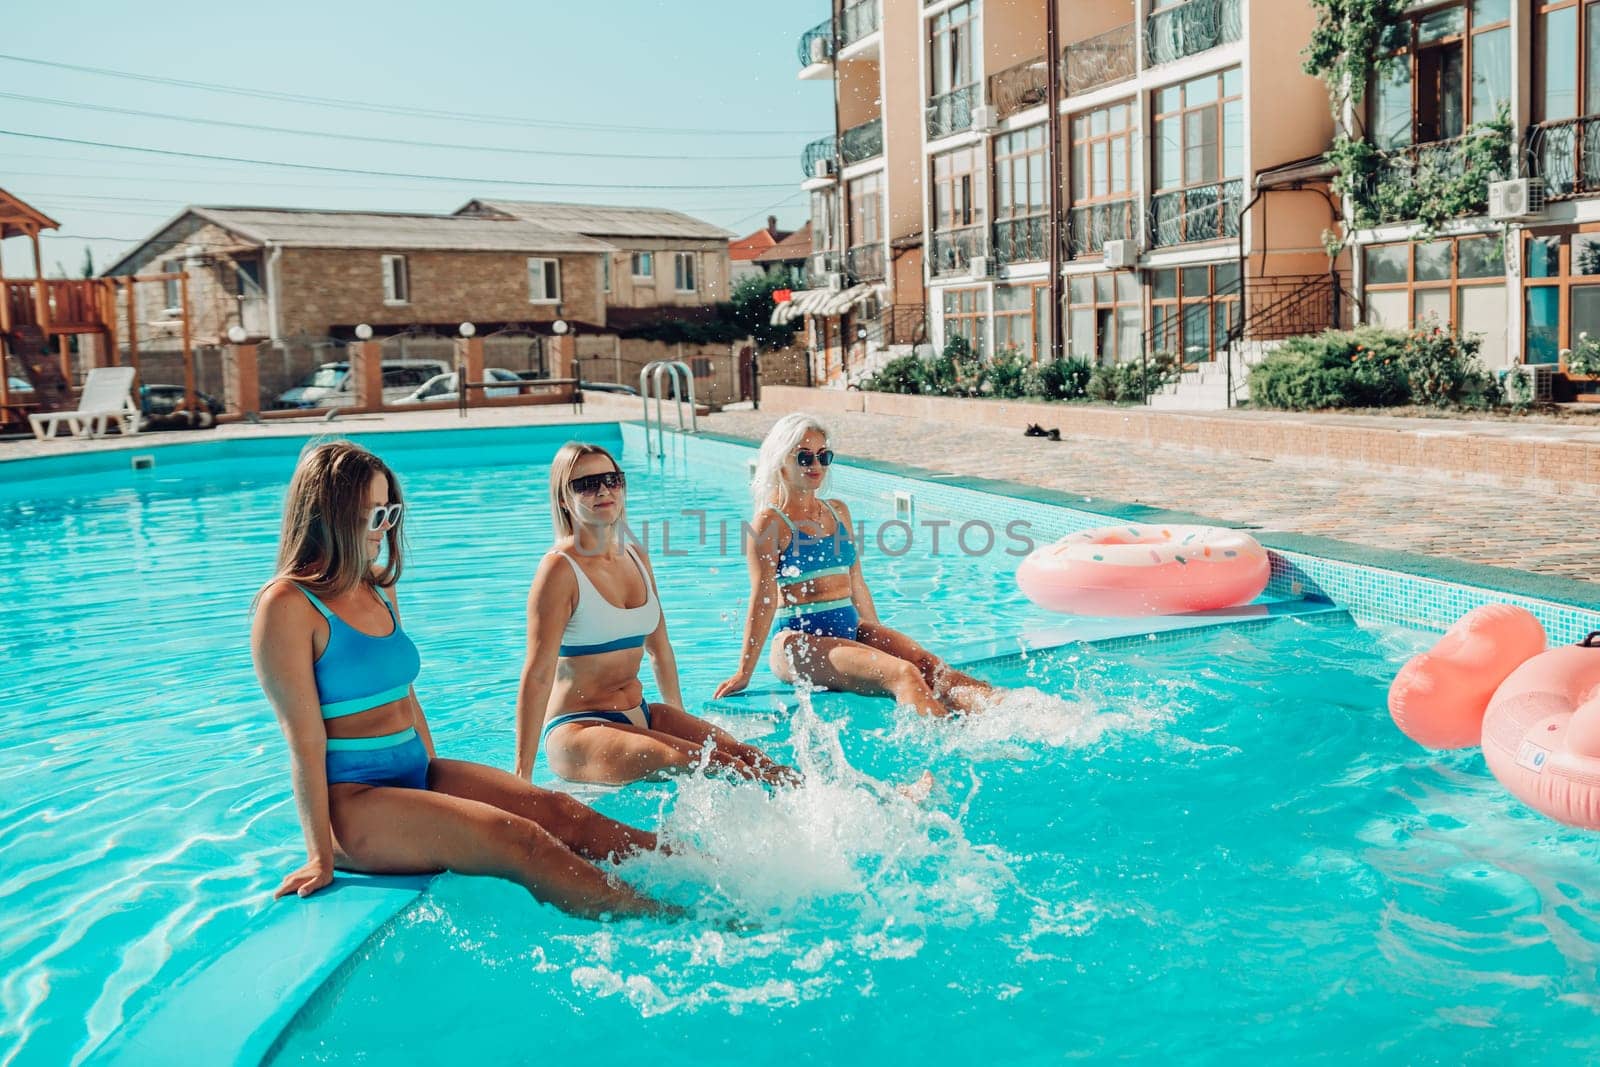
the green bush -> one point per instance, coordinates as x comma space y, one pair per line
1005, 376
1058, 379
903, 374
1440, 367
1365, 367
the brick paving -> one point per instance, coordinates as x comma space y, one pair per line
1521, 529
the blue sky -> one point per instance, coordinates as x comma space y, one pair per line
648, 67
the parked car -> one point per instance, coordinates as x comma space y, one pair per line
163, 408
330, 385
443, 386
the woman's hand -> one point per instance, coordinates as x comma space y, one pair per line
315, 875
732, 685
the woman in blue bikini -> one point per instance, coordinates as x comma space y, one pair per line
805, 573
338, 669
593, 614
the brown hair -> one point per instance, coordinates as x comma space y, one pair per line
324, 521
561, 489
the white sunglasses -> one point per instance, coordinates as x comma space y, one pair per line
383, 517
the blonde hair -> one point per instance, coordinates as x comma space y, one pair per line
324, 521
561, 502
766, 485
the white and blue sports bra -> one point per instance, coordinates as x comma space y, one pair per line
597, 625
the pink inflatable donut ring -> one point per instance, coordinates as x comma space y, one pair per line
1145, 570
1439, 698
1541, 735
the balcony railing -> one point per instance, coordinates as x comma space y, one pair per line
1089, 227
861, 143
1203, 213
864, 263
952, 251
1401, 185
1566, 155
1099, 60
1191, 28
820, 149
951, 112
816, 44
857, 21
821, 264
1024, 240
1020, 87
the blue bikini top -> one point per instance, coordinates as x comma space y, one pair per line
807, 558
359, 672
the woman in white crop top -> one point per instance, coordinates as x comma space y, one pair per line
580, 693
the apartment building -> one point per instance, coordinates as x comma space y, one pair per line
1083, 177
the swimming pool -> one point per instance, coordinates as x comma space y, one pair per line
1215, 842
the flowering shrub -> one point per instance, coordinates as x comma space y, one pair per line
1584, 357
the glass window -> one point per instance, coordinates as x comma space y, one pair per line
1388, 309
1482, 310
1543, 320
1391, 103
1164, 284
1386, 264
1487, 11
1441, 24
1544, 257
1491, 73
1586, 253
1481, 257
1432, 308
1558, 97
1586, 311
1433, 261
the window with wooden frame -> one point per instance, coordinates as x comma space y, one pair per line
544, 281
1455, 70
1020, 209
866, 210
958, 192
1198, 132
1567, 59
1192, 309
396, 280
964, 315
605, 272
1105, 153
171, 289
1016, 319
643, 265
1457, 284
1561, 291
1105, 317
951, 48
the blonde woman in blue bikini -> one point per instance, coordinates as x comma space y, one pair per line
805, 574
593, 615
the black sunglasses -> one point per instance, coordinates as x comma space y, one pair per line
590, 484
805, 457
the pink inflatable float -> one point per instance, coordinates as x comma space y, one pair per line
1537, 712
1145, 570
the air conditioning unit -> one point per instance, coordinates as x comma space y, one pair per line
978, 267
1541, 379
820, 49
1516, 199
835, 281
984, 119
1118, 254
824, 168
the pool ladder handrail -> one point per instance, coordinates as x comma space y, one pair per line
683, 382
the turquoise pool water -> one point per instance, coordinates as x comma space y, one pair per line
1189, 847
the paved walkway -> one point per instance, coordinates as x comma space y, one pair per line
1520, 529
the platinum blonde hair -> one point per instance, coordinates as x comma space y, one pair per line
561, 502
785, 436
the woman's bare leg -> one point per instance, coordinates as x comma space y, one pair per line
669, 719
409, 831
573, 823
838, 663
614, 754
959, 690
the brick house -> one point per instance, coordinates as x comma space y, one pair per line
659, 258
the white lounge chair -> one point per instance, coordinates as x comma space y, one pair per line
107, 397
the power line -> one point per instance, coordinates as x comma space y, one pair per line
324, 168
368, 139
390, 109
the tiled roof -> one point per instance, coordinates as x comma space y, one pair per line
795, 246
746, 248
359, 229
601, 220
